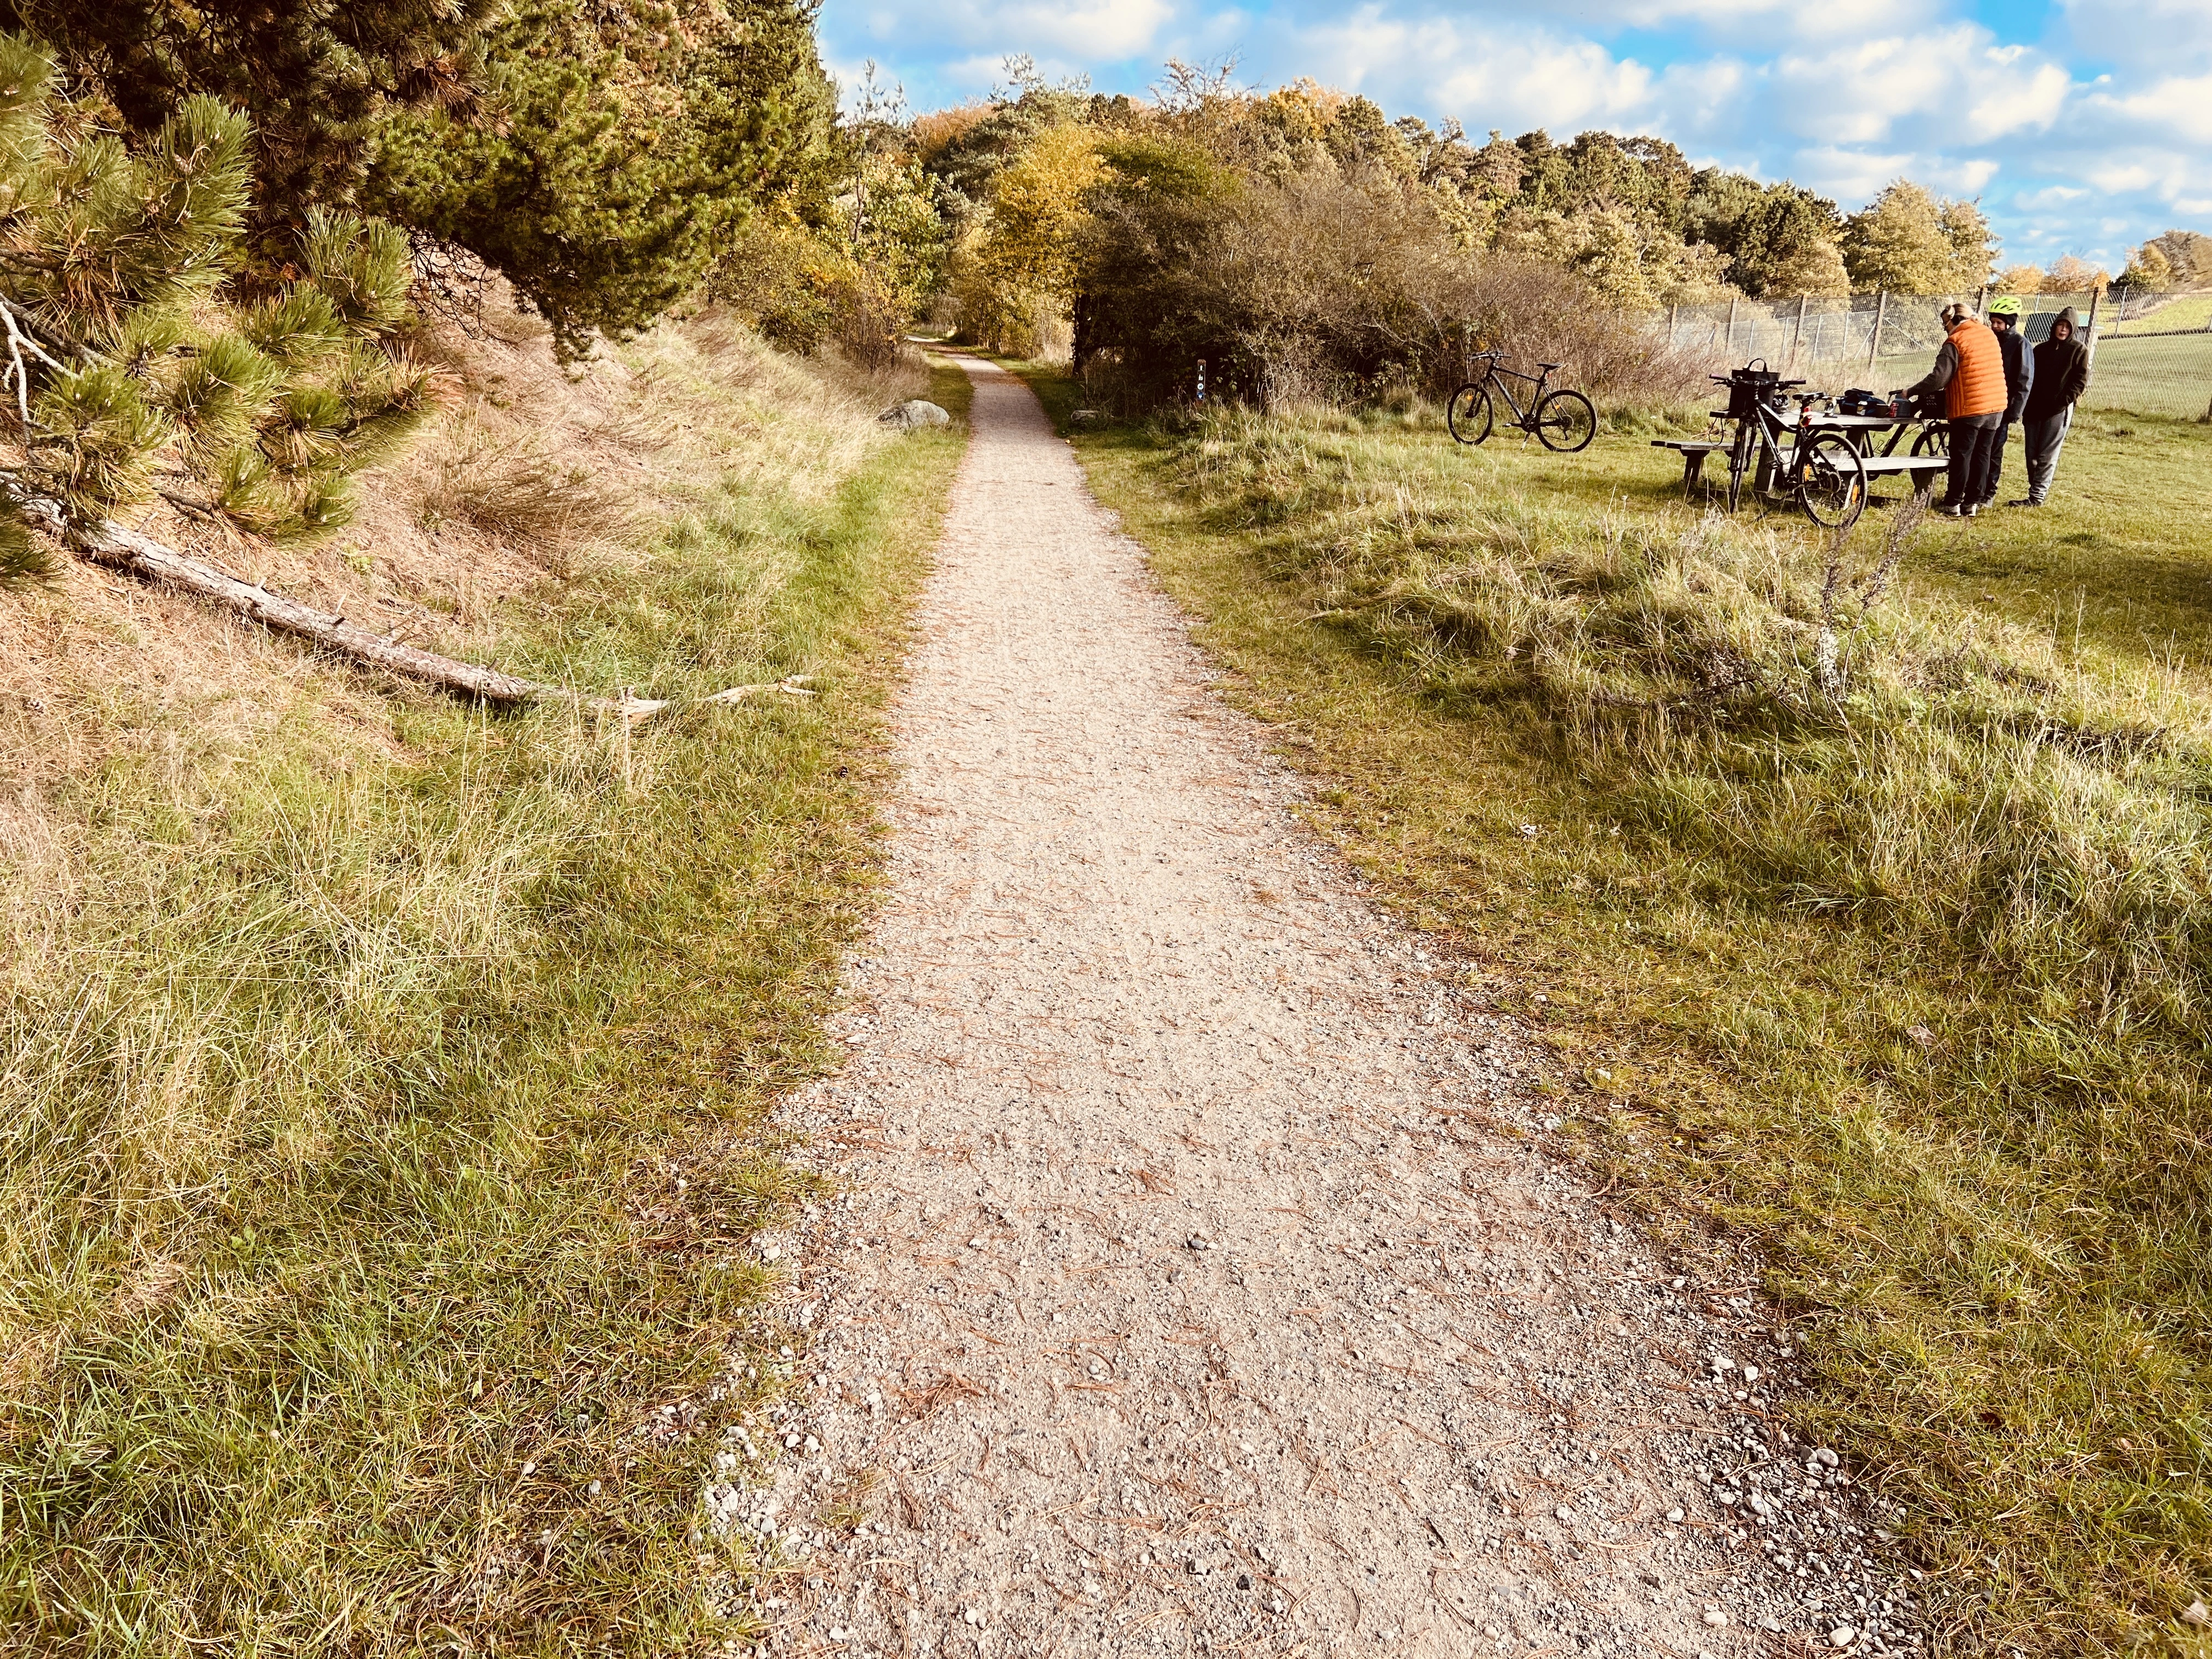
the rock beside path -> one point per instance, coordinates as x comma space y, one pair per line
913, 412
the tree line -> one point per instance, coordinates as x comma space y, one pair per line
1301, 240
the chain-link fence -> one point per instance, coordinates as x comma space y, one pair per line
2153, 352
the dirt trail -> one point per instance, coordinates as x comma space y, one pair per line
1191, 1293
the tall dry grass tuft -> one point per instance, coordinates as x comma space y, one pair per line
1965, 789
522, 491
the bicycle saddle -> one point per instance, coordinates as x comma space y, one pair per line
1548, 365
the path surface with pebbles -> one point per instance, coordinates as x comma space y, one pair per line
1197, 1285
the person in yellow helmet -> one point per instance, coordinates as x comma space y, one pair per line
2020, 377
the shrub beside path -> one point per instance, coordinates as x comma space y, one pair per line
1195, 1283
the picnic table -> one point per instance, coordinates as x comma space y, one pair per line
1921, 469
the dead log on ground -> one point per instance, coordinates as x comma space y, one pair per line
106, 543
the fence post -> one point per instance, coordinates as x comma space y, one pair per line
1874, 340
1673, 312
2090, 327
1731, 339
1796, 335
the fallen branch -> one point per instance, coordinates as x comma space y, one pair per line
106, 543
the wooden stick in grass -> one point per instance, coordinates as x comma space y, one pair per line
106, 543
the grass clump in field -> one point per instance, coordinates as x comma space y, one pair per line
383, 1084
1879, 900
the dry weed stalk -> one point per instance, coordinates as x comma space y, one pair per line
1868, 590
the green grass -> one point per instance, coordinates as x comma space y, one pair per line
2189, 310
378, 1132
1902, 984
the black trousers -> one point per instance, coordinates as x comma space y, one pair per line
1997, 463
1973, 448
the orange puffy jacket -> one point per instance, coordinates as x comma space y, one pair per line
1977, 385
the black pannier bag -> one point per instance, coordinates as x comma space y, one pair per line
1750, 386
1858, 401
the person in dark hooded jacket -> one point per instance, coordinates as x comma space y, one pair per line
2020, 381
2062, 376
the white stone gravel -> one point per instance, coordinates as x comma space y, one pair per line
1197, 1282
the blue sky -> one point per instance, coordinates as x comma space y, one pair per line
2084, 125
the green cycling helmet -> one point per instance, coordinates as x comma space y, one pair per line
2004, 305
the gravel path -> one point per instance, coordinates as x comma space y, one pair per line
1197, 1285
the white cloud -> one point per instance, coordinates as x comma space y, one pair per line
1529, 79
2176, 107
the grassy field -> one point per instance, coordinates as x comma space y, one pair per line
2188, 311
383, 1097
1861, 892
2170, 377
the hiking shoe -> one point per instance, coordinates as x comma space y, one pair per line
2025, 500
1971, 511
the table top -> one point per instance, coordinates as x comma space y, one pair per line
1834, 421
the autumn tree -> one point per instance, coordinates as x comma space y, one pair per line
1017, 274
2148, 269
1908, 241
2070, 274
2189, 253
854, 259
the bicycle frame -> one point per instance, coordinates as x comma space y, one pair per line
1523, 419
1777, 473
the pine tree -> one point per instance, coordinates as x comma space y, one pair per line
130, 375
618, 151
315, 78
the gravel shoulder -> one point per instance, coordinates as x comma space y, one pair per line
1196, 1281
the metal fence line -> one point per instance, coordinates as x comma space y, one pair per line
1882, 341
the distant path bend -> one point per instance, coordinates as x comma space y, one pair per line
1181, 1300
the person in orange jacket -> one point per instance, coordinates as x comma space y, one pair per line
1970, 373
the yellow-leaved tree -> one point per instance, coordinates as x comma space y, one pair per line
1015, 276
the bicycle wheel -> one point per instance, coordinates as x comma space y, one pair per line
1468, 414
1934, 438
1739, 464
1566, 423
1831, 482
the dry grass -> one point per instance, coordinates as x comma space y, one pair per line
1898, 968
380, 1083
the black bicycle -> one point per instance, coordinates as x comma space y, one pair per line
1821, 472
1565, 420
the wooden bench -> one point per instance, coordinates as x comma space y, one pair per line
1694, 452
1922, 470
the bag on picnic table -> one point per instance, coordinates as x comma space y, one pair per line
1859, 401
